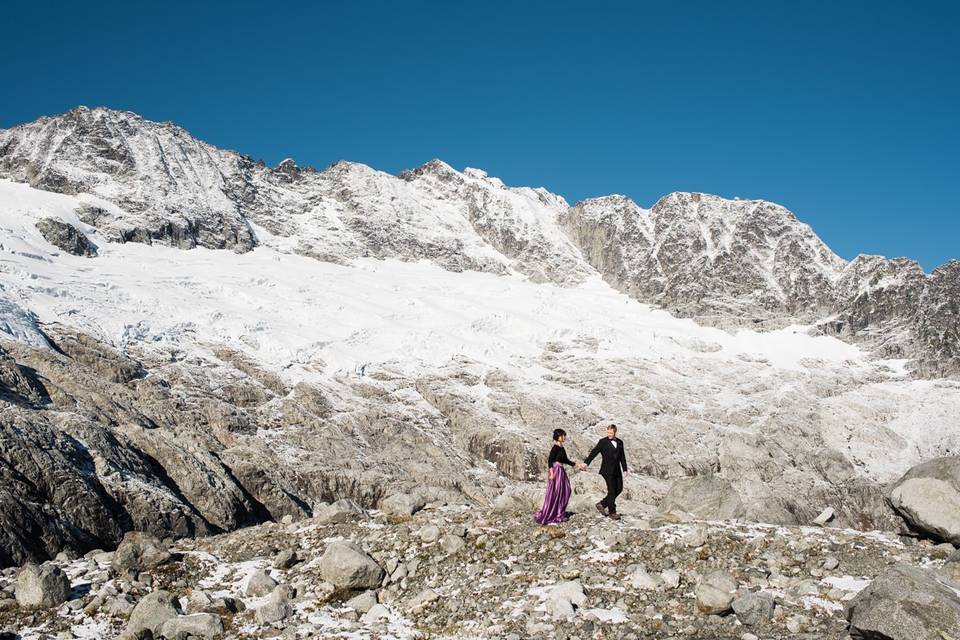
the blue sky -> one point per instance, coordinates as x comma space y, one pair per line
846, 113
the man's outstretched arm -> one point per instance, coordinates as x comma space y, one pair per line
593, 454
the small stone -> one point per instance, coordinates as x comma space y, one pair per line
286, 559
753, 608
195, 625
422, 599
671, 578
825, 516
376, 612
452, 544
429, 533
830, 563
363, 602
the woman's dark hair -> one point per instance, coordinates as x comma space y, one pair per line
557, 433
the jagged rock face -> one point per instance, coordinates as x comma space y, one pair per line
699, 254
172, 185
937, 327
520, 223
617, 238
67, 237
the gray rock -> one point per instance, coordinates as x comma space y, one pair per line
825, 516
347, 566
196, 625
429, 533
452, 544
66, 237
708, 497
340, 511
753, 608
928, 498
152, 611
377, 612
277, 607
904, 603
44, 586
286, 559
260, 584
139, 551
422, 599
715, 592
401, 504
363, 602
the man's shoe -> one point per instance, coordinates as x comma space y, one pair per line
614, 516
601, 509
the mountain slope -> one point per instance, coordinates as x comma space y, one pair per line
368, 333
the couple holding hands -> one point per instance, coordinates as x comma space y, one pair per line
613, 466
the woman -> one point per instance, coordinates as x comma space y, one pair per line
554, 510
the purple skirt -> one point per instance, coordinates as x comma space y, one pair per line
554, 510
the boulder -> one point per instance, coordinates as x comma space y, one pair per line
151, 612
715, 592
277, 607
401, 504
905, 603
138, 551
197, 625
707, 497
344, 510
753, 608
260, 584
44, 586
928, 498
347, 566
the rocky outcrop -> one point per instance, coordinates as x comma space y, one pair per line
67, 237
905, 603
928, 498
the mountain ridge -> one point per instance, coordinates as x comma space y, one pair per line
728, 262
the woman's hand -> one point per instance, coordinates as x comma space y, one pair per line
551, 475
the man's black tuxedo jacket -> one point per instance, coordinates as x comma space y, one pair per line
613, 458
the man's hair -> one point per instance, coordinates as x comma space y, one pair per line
557, 433
612, 426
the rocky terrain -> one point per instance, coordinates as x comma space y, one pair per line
210, 352
455, 571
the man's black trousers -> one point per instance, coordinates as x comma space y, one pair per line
614, 489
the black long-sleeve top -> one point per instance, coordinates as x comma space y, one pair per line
558, 454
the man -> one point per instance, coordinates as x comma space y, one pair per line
613, 467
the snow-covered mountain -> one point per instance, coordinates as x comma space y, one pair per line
189, 332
